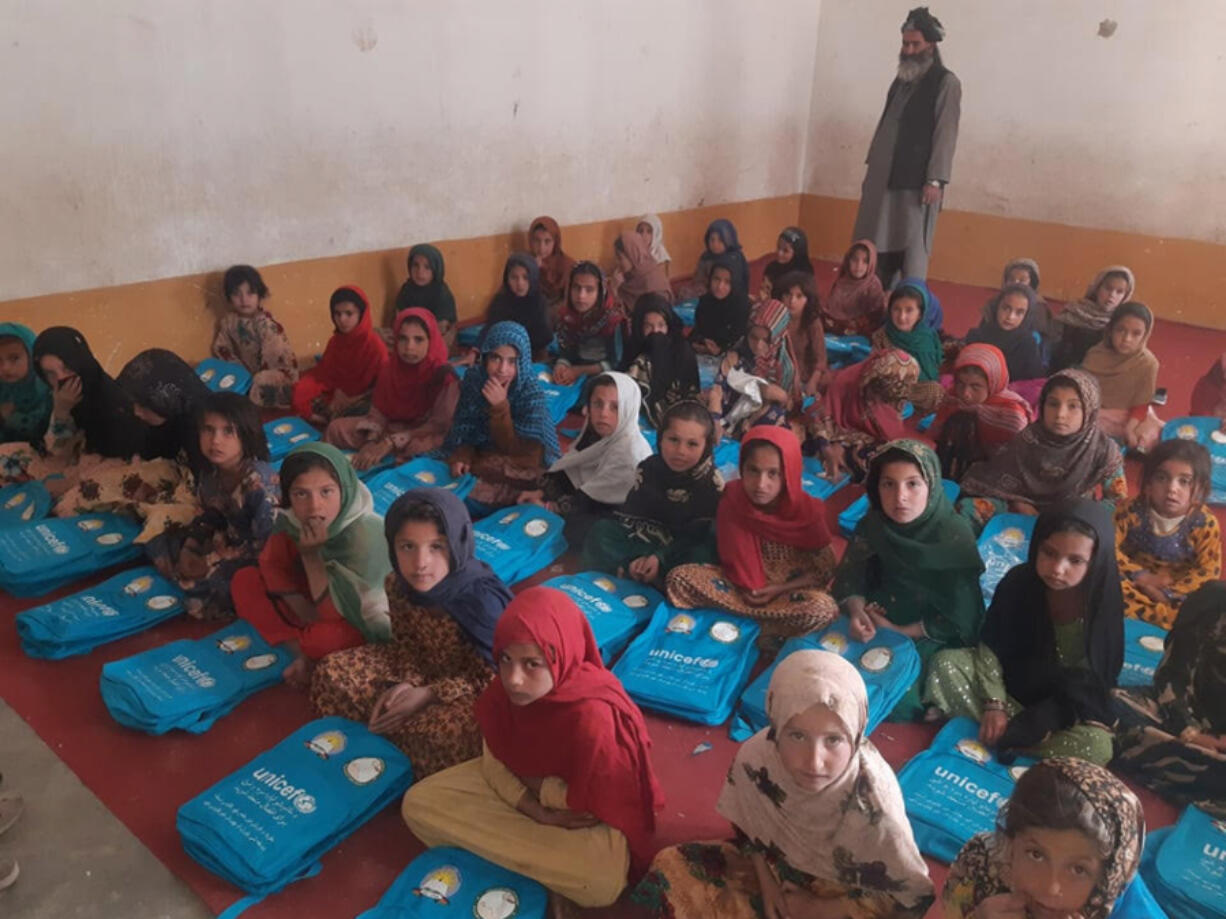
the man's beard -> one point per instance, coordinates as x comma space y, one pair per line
913, 66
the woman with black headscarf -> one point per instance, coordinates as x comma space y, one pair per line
658, 357
165, 393
520, 299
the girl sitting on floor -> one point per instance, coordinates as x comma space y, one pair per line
92, 418
658, 357
757, 382
1127, 375
564, 791
340, 383
502, 432
775, 557
587, 327
861, 411
426, 287
545, 242
652, 230
1062, 455
25, 397
1080, 325
1026, 271
521, 300
791, 256
637, 272
818, 815
722, 313
597, 472
856, 305
1171, 736
980, 414
1008, 323
668, 516
1051, 649
1168, 543
720, 239
420, 687
237, 492
318, 584
797, 291
1068, 843
249, 335
912, 564
413, 402
905, 329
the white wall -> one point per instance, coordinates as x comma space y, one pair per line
155, 138
1058, 124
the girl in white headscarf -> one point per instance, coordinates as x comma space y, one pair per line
652, 230
818, 816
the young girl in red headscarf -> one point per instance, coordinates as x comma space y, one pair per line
564, 791
413, 401
774, 544
351, 363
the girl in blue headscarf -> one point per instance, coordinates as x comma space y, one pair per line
721, 240
25, 397
502, 432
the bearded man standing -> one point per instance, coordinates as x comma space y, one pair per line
911, 156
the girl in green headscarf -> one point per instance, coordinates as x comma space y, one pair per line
319, 580
25, 397
912, 564
907, 328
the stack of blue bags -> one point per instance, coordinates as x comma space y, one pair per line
286, 433
224, 376
1143, 647
449, 883
267, 824
889, 664
422, 472
1206, 432
954, 789
38, 557
24, 502
692, 664
519, 541
560, 399
617, 608
850, 518
118, 607
1184, 866
1003, 544
188, 685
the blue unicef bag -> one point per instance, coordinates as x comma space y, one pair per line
188, 685
1137, 902
727, 458
954, 789
1143, 647
1205, 431
24, 502
815, 483
692, 664
118, 607
286, 433
889, 664
560, 399
224, 376
422, 472
1003, 544
1188, 870
616, 608
267, 824
38, 557
850, 518
449, 883
845, 350
519, 541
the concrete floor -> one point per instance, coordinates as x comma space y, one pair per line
77, 860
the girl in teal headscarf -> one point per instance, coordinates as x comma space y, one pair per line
25, 397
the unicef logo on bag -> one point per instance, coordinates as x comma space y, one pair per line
681, 624
508, 518
834, 642
161, 602
425, 476
283, 428
875, 660
91, 524
536, 528
226, 382
327, 744
138, 586
109, 539
208, 375
605, 584
259, 661
15, 501
305, 804
1016, 772
1011, 538
635, 601
1152, 643
234, 643
497, 903
1187, 432
725, 632
363, 770
973, 750
440, 885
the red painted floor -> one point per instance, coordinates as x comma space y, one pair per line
144, 779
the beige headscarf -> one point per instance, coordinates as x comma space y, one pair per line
1125, 381
1086, 313
855, 831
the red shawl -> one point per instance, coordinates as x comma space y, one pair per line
353, 360
798, 520
845, 397
586, 731
407, 392
555, 269
1003, 415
